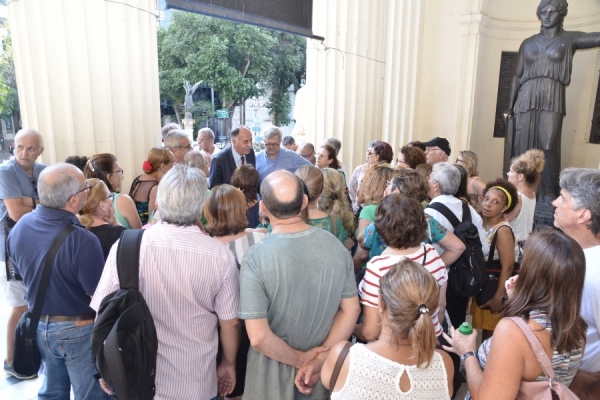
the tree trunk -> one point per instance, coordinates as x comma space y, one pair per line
177, 115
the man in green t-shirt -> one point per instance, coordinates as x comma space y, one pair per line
298, 296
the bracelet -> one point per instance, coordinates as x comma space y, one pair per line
466, 355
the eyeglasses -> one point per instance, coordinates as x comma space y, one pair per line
308, 156
459, 160
429, 149
119, 171
87, 187
110, 196
370, 153
401, 161
189, 146
272, 145
33, 183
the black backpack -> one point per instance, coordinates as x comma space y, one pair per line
124, 342
467, 276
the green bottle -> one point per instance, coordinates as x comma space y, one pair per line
465, 328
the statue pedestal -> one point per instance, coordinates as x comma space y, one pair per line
188, 128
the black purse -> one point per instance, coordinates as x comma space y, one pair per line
27, 358
493, 270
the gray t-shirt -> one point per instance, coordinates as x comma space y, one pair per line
297, 281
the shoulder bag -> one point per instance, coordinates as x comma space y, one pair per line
27, 358
338, 365
542, 390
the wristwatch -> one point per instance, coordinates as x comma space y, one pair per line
466, 355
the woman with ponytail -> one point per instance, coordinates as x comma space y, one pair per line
403, 362
98, 215
144, 187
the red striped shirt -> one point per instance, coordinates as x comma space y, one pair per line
380, 265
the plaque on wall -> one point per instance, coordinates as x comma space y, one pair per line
507, 67
595, 133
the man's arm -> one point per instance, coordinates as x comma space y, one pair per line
342, 328
19, 206
216, 172
230, 340
264, 340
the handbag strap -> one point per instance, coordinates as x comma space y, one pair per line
45, 278
338, 364
128, 258
493, 244
445, 211
537, 347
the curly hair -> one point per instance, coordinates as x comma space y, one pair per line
413, 156
411, 184
508, 187
333, 200
530, 164
400, 221
374, 183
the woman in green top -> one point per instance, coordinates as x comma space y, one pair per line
313, 179
106, 168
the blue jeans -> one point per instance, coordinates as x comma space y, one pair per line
67, 355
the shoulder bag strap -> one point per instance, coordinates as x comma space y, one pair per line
445, 211
466, 212
338, 365
493, 244
333, 220
45, 278
128, 258
424, 255
537, 347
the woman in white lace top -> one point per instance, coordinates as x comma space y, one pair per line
403, 363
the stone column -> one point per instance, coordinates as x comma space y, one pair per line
87, 73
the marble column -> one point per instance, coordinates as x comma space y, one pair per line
87, 73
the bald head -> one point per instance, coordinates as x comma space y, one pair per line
282, 194
60, 182
307, 150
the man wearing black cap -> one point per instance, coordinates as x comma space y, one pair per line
437, 150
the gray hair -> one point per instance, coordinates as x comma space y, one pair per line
271, 132
194, 159
337, 145
57, 184
209, 133
173, 138
288, 141
448, 177
181, 195
168, 128
583, 185
30, 132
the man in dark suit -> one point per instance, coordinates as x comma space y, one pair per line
238, 153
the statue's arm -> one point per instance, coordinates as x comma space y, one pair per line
588, 40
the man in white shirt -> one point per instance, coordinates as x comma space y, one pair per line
578, 215
206, 142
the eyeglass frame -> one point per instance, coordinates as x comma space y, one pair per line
87, 188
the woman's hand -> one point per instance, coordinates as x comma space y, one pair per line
460, 344
495, 304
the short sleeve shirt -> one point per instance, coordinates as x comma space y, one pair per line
15, 183
297, 282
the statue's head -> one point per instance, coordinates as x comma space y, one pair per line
561, 5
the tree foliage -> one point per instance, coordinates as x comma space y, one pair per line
237, 60
9, 98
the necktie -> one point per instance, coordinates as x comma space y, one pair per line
243, 160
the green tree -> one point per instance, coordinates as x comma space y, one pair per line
237, 60
9, 98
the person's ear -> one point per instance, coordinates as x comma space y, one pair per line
584, 216
41, 151
263, 208
381, 305
304, 201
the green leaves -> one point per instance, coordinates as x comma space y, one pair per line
9, 98
237, 60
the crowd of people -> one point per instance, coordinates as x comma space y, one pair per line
261, 270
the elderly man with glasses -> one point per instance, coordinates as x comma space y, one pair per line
178, 142
275, 158
307, 151
63, 333
18, 196
437, 150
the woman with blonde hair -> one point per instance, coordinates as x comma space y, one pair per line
98, 215
144, 187
403, 362
525, 172
475, 186
106, 168
333, 200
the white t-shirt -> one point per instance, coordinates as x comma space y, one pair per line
590, 309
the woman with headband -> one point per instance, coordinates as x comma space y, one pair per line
500, 197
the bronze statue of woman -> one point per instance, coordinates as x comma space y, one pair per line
537, 97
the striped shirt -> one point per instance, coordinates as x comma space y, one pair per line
380, 265
189, 281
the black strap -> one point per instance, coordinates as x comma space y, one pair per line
45, 278
445, 211
128, 258
493, 244
424, 255
338, 365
